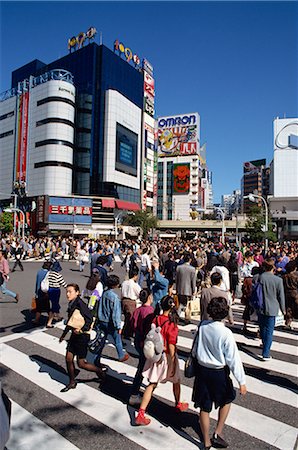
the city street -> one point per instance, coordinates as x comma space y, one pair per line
33, 373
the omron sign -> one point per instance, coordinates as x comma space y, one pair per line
169, 122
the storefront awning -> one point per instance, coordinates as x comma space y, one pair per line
108, 203
129, 206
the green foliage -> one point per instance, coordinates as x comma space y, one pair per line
255, 223
6, 222
143, 219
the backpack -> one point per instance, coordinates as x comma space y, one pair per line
45, 285
154, 344
257, 296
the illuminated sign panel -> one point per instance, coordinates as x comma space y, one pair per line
76, 42
178, 135
181, 176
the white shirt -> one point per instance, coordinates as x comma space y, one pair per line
225, 283
145, 261
247, 268
217, 348
130, 289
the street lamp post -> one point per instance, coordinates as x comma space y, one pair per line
252, 198
222, 224
15, 204
15, 210
119, 215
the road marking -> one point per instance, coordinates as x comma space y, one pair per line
27, 432
269, 430
255, 386
103, 408
240, 339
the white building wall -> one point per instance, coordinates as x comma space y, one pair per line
285, 174
7, 146
119, 109
50, 180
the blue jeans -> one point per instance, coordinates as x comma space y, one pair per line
109, 329
144, 273
6, 291
54, 296
266, 331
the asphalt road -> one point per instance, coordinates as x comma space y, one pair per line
33, 372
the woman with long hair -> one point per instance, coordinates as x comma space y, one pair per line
167, 369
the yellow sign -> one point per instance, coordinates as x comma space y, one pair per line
78, 41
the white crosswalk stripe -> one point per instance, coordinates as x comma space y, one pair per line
118, 416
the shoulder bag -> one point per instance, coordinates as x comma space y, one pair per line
190, 363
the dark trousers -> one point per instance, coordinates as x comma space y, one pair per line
128, 308
17, 263
138, 379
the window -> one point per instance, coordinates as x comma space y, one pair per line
55, 99
54, 120
52, 164
7, 115
54, 141
7, 133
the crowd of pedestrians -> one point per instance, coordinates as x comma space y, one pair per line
161, 281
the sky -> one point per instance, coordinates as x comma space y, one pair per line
235, 63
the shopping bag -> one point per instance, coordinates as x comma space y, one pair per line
279, 319
193, 308
76, 320
33, 303
66, 256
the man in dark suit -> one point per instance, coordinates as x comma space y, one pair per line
185, 284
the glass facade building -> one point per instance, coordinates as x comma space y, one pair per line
96, 69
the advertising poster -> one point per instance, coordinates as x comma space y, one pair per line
253, 166
181, 177
22, 137
178, 135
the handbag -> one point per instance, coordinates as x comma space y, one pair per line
95, 344
45, 284
76, 320
193, 308
190, 363
85, 259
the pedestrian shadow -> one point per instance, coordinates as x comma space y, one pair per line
185, 424
268, 375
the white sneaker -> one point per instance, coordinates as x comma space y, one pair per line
266, 358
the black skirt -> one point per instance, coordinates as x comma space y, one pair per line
78, 345
42, 302
212, 386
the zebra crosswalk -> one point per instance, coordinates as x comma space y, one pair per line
85, 418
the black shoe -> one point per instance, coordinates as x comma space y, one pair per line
68, 387
218, 441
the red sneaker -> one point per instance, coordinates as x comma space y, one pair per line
141, 420
181, 406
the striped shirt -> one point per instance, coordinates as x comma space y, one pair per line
56, 280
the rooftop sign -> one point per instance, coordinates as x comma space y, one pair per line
76, 42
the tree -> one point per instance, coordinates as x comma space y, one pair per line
6, 223
143, 219
255, 225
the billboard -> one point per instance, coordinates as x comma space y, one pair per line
253, 166
126, 150
70, 210
22, 138
181, 176
178, 135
